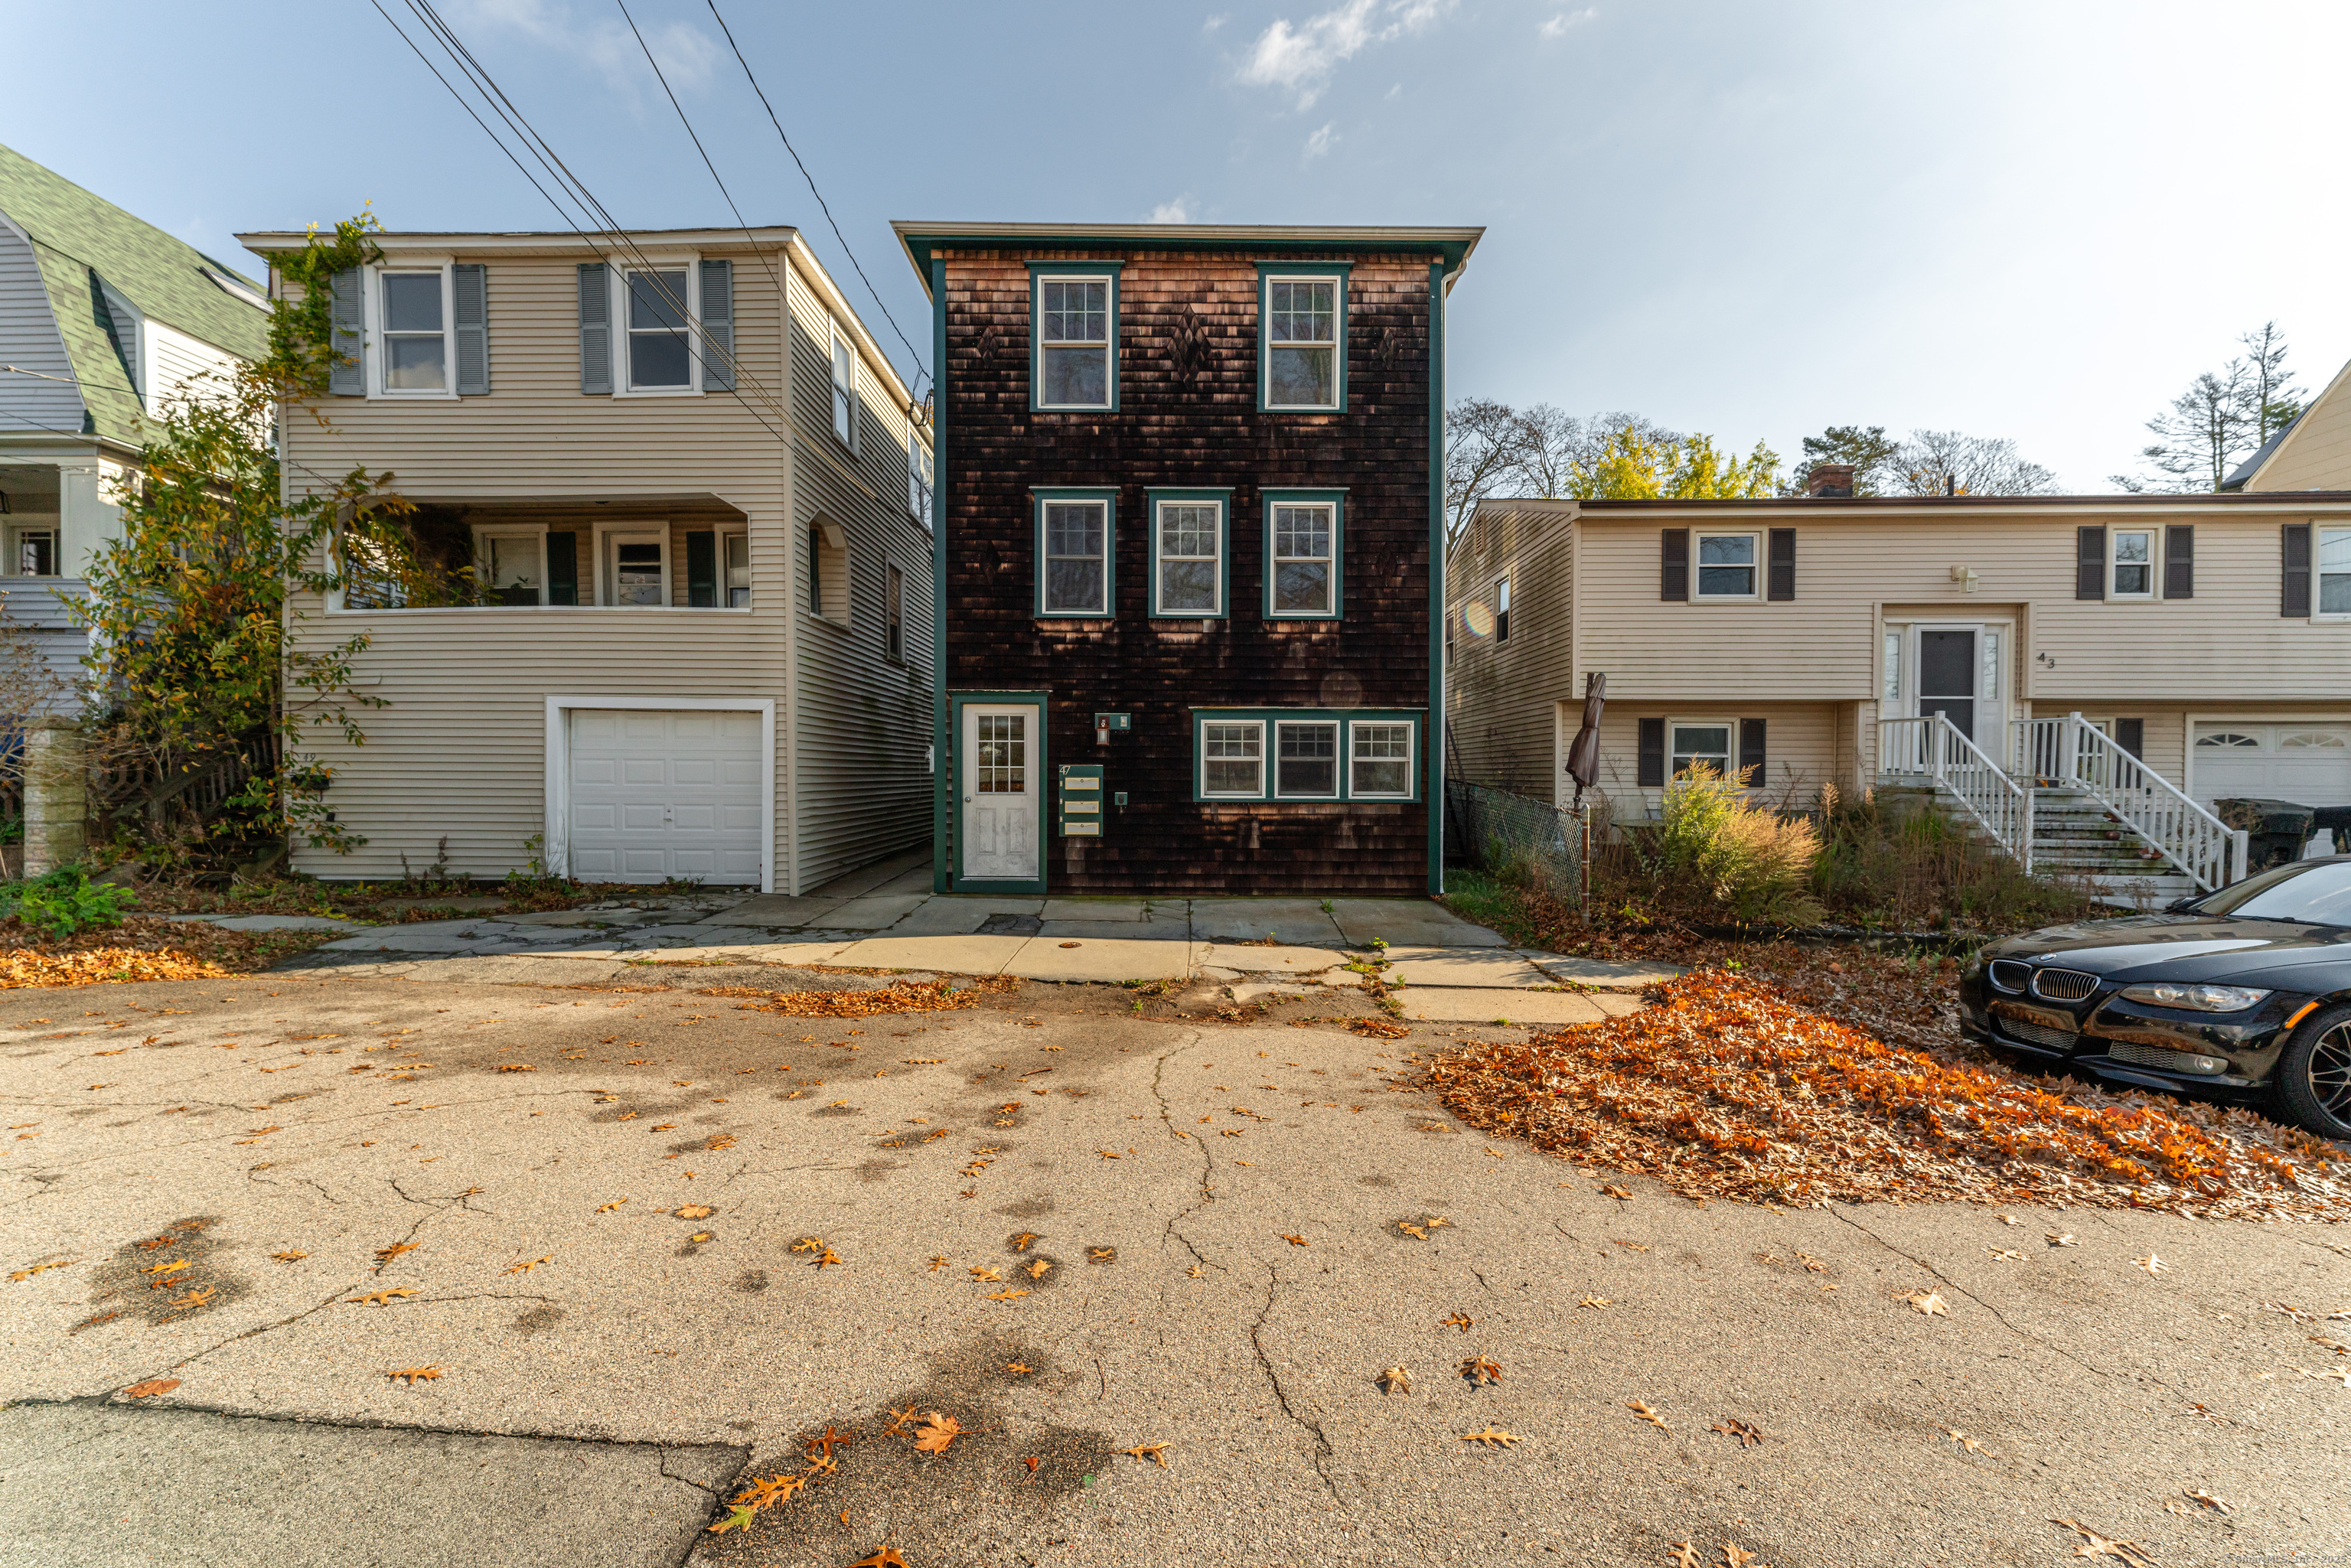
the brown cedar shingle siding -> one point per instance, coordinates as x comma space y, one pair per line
1209, 435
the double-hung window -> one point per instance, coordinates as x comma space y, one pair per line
893, 616
1187, 554
660, 355
1302, 339
513, 568
32, 552
1708, 741
1232, 759
413, 319
1379, 760
844, 388
1305, 754
2132, 573
636, 567
1301, 554
919, 479
735, 550
1075, 310
1502, 610
1306, 760
1076, 541
2335, 576
1726, 566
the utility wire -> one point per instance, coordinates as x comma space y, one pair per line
829, 218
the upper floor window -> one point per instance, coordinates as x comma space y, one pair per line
1502, 610
665, 330
661, 357
1187, 555
1726, 566
893, 617
1304, 361
844, 388
1301, 553
1075, 310
413, 319
1075, 546
2334, 572
919, 479
2133, 567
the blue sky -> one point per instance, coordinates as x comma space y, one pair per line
2034, 220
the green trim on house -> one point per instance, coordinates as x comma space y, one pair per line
1039, 772
1267, 271
1433, 754
922, 242
1224, 502
1267, 499
1039, 495
1038, 272
941, 752
1271, 717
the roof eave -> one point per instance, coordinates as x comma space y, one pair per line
921, 240
279, 242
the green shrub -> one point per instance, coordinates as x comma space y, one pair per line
1717, 857
63, 902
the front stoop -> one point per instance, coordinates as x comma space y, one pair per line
2075, 839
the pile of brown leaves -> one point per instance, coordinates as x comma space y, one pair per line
899, 997
1726, 1087
141, 949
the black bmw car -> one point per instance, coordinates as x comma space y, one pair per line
2243, 994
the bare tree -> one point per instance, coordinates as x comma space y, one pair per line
1945, 462
2223, 417
1483, 455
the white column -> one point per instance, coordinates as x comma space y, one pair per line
86, 522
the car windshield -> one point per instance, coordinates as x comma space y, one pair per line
2317, 892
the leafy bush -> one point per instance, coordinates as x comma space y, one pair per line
63, 902
1716, 857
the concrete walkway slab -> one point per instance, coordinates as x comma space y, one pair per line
1470, 967
1598, 972
1255, 958
875, 912
1447, 1004
1175, 930
1111, 962
947, 954
1292, 920
960, 914
1101, 910
778, 909
1399, 922
276, 921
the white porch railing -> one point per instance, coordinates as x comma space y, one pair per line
2072, 753
1932, 747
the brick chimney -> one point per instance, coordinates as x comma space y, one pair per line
1829, 479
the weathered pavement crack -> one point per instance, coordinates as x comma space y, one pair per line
1167, 1116
1323, 1450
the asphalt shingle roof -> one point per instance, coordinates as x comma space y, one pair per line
75, 232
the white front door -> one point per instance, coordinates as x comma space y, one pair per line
1000, 784
659, 793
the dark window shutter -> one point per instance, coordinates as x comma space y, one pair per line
595, 329
816, 571
2130, 734
2089, 563
1752, 764
1652, 774
1673, 581
348, 376
718, 326
702, 570
1782, 578
2179, 561
563, 569
469, 290
2294, 594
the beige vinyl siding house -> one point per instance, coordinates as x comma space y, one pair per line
652, 693
2191, 629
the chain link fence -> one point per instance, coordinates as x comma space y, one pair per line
1505, 834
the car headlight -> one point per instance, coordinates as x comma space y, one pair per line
2195, 998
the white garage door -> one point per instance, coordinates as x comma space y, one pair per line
2309, 764
657, 794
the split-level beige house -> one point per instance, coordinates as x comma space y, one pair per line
2129, 658
696, 497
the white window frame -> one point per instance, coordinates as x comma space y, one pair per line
1264, 763
1338, 758
484, 532
1355, 791
1503, 607
1274, 501
1754, 568
2319, 574
1046, 611
1160, 557
1337, 344
608, 537
846, 405
725, 536
624, 362
17, 534
922, 478
2114, 563
375, 351
1730, 726
1106, 345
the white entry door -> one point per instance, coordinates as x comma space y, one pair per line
999, 759
660, 793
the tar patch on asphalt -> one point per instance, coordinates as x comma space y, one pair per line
538, 1320
751, 1281
178, 1273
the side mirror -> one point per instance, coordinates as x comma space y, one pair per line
2182, 906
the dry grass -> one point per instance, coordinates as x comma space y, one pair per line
900, 997
142, 949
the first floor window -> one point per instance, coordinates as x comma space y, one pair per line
1707, 743
2334, 572
1305, 560
513, 569
1232, 760
33, 552
2134, 565
1306, 761
1726, 566
636, 569
893, 625
1379, 760
1077, 558
1191, 557
658, 324
415, 348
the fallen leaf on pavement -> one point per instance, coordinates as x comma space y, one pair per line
1018, 1368
2093, 1544
43, 1268
416, 1375
1103, 1254
516, 1067
2340, 1374
885, 1558
901, 1419
937, 1262
765, 1490
1196, 1272
2057, 1240
165, 1268
2153, 1264
1020, 1242
1747, 1435
1458, 1321
1396, 1380
938, 1430
526, 1267
2005, 1255
1106, 1154
1493, 1438
609, 1208
1038, 1268
1594, 1301
1006, 1295
695, 1211
288, 1255
1685, 1555
1645, 1414
827, 1259
1928, 1303
981, 1271
196, 1298
1964, 1441
2008, 1219
739, 1520
379, 1297
699, 1236
2208, 1500
1481, 1370
1156, 1452
1735, 1556
2336, 1346
1613, 1190
151, 1388
1032, 1461
1296, 1240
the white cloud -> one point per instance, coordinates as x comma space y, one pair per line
1320, 142
1560, 23
686, 53
1213, 23
1178, 211
1301, 59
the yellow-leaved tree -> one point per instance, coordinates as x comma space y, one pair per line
1633, 465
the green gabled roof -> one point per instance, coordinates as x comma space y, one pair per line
73, 234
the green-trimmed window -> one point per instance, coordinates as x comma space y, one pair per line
1073, 309
1232, 759
1077, 545
1306, 753
1379, 760
1303, 337
1191, 567
1302, 554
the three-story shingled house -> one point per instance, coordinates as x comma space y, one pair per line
1190, 514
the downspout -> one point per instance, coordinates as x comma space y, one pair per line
942, 768
1433, 748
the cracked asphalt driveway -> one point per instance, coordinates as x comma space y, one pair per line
656, 1243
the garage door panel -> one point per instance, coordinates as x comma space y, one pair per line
2309, 764
657, 794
